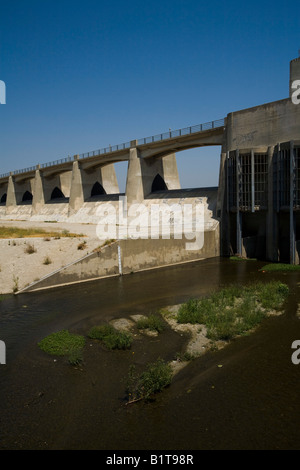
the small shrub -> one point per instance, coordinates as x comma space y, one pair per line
82, 245
16, 284
111, 337
47, 260
30, 248
99, 332
75, 357
185, 356
62, 343
154, 379
188, 312
108, 242
153, 323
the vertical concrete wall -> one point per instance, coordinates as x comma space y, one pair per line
128, 256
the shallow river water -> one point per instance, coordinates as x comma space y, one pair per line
251, 402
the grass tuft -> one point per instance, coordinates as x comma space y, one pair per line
62, 343
14, 232
278, 267
30, 249
234, 310
111, 337
154, 379
153, 323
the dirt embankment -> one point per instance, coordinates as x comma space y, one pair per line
25, 260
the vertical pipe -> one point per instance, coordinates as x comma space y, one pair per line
271, 220
120, 259
238, 214
292, 218
227, 180
252, 182
277, 178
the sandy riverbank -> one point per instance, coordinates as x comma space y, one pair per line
19, 268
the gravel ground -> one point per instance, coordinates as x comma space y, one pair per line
18, 268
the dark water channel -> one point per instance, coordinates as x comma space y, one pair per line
251, 402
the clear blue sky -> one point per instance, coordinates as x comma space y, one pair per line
81, 75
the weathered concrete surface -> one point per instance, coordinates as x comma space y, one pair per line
136, 255
131, 255
263, 126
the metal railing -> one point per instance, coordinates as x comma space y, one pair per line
24, 170
144, 141
56, 162
182, 132
111, 148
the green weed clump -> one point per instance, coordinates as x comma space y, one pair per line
234, 310
278, 267
154, 379
62, 343
111, 337
75, 357
153, 323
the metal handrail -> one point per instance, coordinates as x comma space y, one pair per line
24, 170
56, 162
180, 132
111, 148
144, 141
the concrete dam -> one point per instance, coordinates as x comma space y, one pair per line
254, 212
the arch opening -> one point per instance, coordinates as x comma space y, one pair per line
158, 184
27, 197
3, 199
57, 194
97, 190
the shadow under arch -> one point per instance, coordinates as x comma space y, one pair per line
57, 194
97, 190
3, 199
158, 184
27, 197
